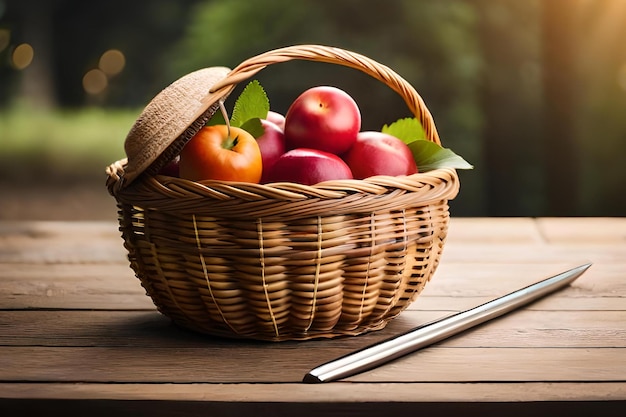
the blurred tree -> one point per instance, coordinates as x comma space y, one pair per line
601, 93
69, 36
37, 84
511, 106
562, 159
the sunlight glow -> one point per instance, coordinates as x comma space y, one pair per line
604, 26
621, 77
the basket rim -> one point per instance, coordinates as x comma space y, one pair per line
280, 201
176, 187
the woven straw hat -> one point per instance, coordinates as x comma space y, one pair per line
170, 120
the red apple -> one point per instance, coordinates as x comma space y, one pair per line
171, 169
276, 118
272, 145
377, 153
324, 118
309, 167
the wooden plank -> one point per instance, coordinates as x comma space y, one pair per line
488, 279
493, 230
539, 254
583, 231
523, 328
551, 230
426, 392
469, 240
455, 286
326, 406
570, 346
504, 229
58, 229
71, 286
553, 302
60, 242
543, 240
44, 242
80, 242
273, 364
504, 364
461, 285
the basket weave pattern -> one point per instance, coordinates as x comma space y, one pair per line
287, 261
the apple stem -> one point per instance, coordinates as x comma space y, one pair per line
225, 115
230, 143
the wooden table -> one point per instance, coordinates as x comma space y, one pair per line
79, 337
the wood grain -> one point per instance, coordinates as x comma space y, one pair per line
524, 328
389, 393
78, 334
456, 286
95, 400
277, 364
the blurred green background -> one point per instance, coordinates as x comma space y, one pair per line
532, 93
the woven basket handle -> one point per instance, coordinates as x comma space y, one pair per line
332, 55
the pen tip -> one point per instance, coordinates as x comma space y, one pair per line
311, 379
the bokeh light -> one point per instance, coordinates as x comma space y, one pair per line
95, 81
112, 62
5, 38
22, 56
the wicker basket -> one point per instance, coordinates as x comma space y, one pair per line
278, 261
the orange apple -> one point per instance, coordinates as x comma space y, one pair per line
215, 153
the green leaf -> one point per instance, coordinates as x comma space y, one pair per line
407, 130
254, 127
429, 155
252, 103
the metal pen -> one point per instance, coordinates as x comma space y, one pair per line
427, 334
